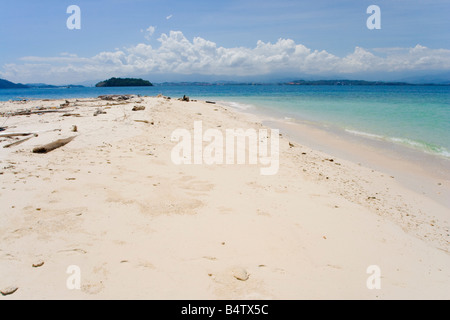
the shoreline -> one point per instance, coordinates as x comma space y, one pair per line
380, 164
422, 172
138, 226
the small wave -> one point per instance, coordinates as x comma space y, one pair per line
423, 146
237, 105
365, 134
417, 145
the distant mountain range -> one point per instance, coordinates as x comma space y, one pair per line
356, 83
49, 86
5, 84
118, 82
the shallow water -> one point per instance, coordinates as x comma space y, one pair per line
417, 117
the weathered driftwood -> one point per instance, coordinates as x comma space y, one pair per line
15, 134
118, 97
19, 142
71, 115
52, 146
29, 112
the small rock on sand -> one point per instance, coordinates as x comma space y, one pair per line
8, 291
98, 112
240, 274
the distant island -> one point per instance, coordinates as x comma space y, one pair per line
127, 82
5, 84
303, 83
347, 83
132, 82
49, 86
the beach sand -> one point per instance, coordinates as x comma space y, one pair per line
112, 203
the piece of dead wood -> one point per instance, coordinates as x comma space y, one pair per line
52, 146
19, 142
71, 115
29, 112
98, 112
143, 121
15, 134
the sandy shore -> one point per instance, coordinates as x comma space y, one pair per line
113, 204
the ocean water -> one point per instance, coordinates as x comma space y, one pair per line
417, 117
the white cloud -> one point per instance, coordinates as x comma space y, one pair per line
149, 32
178, 55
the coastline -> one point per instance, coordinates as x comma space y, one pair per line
138, 226
376, 167
422, 172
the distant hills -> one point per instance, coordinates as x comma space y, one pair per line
49, 86
132, 82
5, 84
127, 82
352, 83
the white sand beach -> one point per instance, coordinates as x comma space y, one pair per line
112, 203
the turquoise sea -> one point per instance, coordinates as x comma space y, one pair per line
417, 117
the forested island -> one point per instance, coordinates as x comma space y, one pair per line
127, 82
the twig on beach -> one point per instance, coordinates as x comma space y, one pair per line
145, 121
52, 146
19, 142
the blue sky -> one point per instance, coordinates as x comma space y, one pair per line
37, 29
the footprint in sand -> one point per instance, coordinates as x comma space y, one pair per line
189, 183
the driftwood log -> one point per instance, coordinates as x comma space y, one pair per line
17, 134
52, 146
29, 112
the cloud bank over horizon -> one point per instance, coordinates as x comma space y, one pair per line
176, 55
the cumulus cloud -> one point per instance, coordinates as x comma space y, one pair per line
178, 55
149, 32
